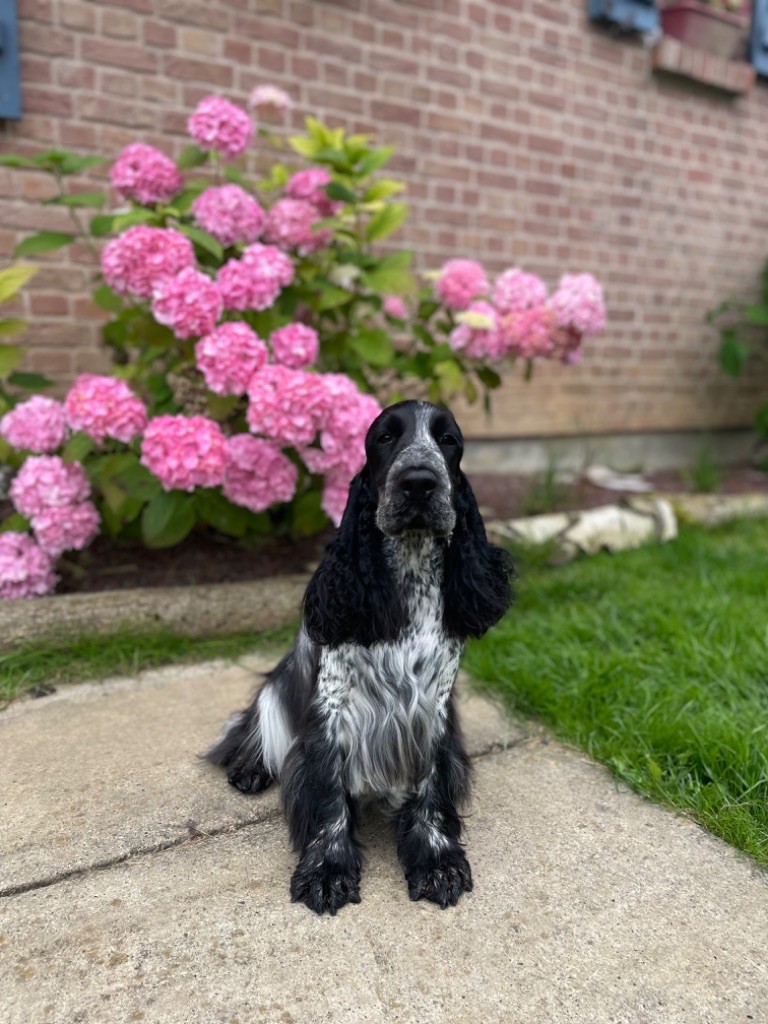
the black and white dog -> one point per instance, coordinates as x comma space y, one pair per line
362, 707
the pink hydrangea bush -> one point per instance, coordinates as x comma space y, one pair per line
335, 495
257, 474
309, 186
578, 304
220, 125
104, 407
184, 452
229, 356
286, 405
25, 569
295, 345
37, 425
229, 213
189, 303
270, 96
477, 333
146, 175
256, 280
136, 261
67, 528
515, 290
394, 306
47, 482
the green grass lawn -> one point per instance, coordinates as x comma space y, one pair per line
655, 662
35, 668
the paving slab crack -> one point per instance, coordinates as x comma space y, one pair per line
196, 833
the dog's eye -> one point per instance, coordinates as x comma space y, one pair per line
448, 439
384, 439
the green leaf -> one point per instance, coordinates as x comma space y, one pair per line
13, 279
488, 377
234, 175
137, 216
168, 519
191, 156
77, 199
105, 298
72, 164
373, 345
374, 160
29, 381
390, 280
203, 239
733, 352
761, 419
386, 221
335, 190
303, 146
16, 522
214, 509
382, 189
220, 407
396, 261
14, 160
102, 224
307, 516
45, 241
332, 297
757, 315
10, 357
77, 447
12, 325
450, 376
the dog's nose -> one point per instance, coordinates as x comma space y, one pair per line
417, 484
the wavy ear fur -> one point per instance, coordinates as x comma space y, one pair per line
476, 588
352, 597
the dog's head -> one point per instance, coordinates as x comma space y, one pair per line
411, 481
413, 453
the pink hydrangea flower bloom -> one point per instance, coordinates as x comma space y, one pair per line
256, 473
530, 333
45, 482
395, 306
255, 281
481, 340
219, 124
104, 407
135, 261
346, 416
229, 213
229, 356
37, 425
308, 186
289, 225
145, 174
295, 345
286, 405
460, 282
70, 528
189, 303
25, 569
516, 290
578, 304
184, 452
270, 96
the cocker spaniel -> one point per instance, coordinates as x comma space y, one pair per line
362, 707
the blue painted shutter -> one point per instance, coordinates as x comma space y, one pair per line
10, 90
758, 40
629, 15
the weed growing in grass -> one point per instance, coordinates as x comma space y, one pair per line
546, 492
703, 476
656, 662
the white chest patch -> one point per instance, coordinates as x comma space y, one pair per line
385, 705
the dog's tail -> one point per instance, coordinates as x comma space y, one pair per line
233, 739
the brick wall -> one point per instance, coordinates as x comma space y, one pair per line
525, 136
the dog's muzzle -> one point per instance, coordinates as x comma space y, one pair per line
417, 498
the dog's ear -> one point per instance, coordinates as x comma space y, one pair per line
352, 597
476, 585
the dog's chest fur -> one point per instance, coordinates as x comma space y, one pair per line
386, 704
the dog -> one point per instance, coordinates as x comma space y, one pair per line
362, 708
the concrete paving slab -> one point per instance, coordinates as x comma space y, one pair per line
591, 906
98, 772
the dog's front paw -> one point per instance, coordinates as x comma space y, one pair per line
442, 883
325, 887
249, 781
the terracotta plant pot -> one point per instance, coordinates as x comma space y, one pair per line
704, 27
